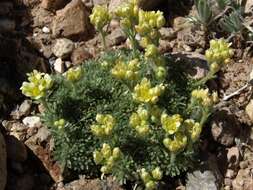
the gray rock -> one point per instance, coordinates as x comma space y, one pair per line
224, 127
59, 65
3, 165
63, 47
32, 121
72, 21
25, 108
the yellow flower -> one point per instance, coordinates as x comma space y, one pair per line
106, 151
171, 124
98, 157
155, 113
218, 54
143, 92
60, 123
157, 173
37, 86
116, 153
100, 17
204, 97
105, 125
74, 74
176, 144
151, 185
145, 176
151, 51
194, 129
126, 71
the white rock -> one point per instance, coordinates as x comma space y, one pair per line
63, 48
59, 65
46, 30
32, 121
249, 110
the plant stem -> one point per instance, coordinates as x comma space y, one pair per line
103, 34
208, 77
172, 158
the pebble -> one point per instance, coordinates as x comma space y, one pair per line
45, 30
59, 65
32, 121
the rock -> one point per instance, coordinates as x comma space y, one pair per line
53, 4
25, 108
63, 48
233, 157
72, 21
243, 180
45, 30
115, 38
99, 2
249, 110
79, 55
230, 174
224, 127
7, 25
43, 134
94, 184
16, 150
32, 121
249, 6
179, 23
3, 164
167, 33
201, 180
59, 65
144, 4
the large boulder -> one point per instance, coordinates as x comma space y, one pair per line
3, 171
72, 21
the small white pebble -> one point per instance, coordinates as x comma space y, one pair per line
45, 30
59, 65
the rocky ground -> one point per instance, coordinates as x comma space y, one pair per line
54, 35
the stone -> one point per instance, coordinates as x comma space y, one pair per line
116, 37
63, 47
59, 65
45, 30
243, 180
43, 134
249, 110
3, 164
224, 127
79, 55
7, 25
249, 6
144, 4
32, 121
230, 174
16, 150
72, 21
25, 108
233, 157
167, 33
53, 4
95, 184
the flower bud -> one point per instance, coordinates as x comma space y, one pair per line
106, 150
160, 72
157, 173
145, 176
214, 67
150, 185
105, 170
98, 157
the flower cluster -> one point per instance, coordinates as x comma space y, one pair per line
104, 126
150, 179
175, 143
149, 23
172, 123
74, 74
204, 97
128, 71
218, 54
100, 17
193, 128
139, 121
60, 123
37, 86
107, 157
128, 13
144, 93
